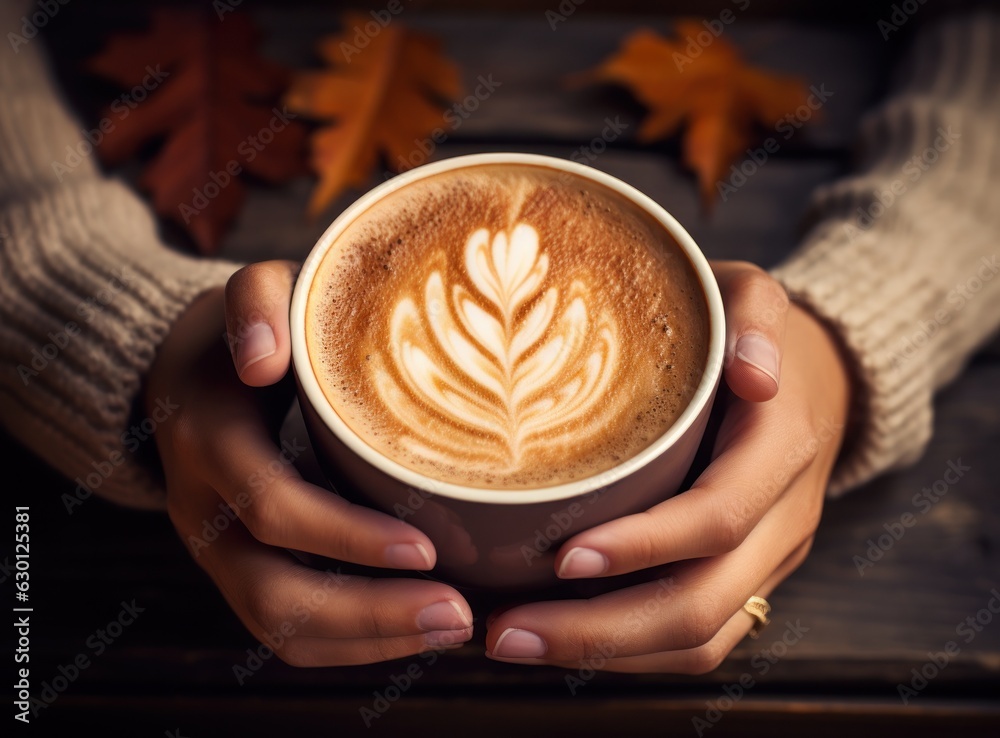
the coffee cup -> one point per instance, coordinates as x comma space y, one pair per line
503, 350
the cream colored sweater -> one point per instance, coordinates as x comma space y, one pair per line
88, 290
903, 256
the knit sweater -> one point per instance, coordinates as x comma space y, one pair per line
88, 290
901, 259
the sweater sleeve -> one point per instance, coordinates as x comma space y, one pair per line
87, 290
901, 260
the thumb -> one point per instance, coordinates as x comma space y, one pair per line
756, 310
257, 300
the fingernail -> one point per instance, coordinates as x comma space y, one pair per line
258, 343
583, 562
447, 638
444, 615
407, 556
759, 352
515, 643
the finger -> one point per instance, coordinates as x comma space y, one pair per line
257, 300
683, 611
759, 454
312, 652
261, 485
700, 660
756, 311
276, 596
692, 661
277, 592
708, 657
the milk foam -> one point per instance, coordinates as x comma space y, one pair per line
469, 358
506, 326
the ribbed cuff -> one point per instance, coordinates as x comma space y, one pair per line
867, 310
88, 295
902, 265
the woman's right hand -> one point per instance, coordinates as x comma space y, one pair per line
238, 502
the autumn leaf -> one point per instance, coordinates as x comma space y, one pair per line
197, 84
380, 100
716, 94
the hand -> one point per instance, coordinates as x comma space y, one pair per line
745, 525
219, 460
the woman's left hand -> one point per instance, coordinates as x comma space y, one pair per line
745, 525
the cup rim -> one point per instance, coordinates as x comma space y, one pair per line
309, 383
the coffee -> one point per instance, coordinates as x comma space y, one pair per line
506, 326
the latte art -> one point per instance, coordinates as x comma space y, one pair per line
506, 327
508, 361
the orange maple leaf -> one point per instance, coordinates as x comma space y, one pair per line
211, 98
716, 93
383, 99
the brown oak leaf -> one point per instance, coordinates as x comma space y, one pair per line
382, 99
211, 99
721, 99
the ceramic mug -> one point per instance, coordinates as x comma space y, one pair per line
490, 538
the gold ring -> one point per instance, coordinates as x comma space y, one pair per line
758, 608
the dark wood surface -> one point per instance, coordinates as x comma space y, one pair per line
173, 669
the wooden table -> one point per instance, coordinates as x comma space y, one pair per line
173, 669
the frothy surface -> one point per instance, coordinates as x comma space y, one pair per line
507, 326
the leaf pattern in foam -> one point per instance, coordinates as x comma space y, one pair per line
473, 376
